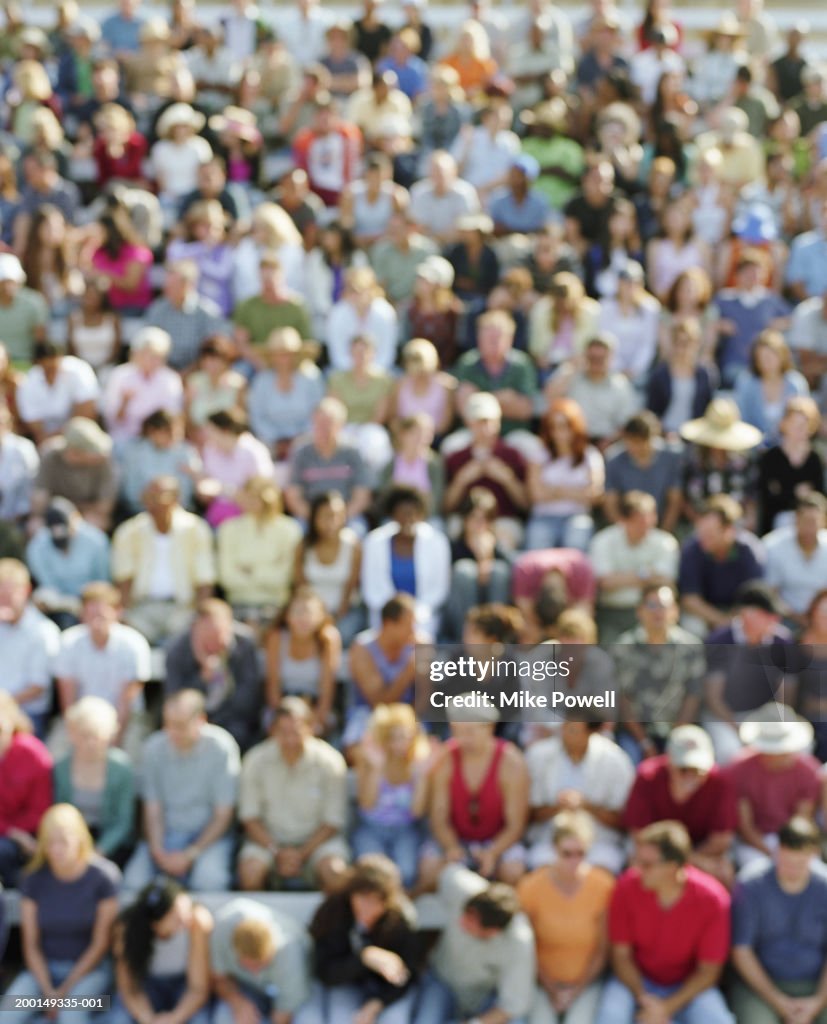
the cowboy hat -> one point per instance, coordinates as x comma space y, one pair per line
776, 729
728, 25
179, 113
721, 427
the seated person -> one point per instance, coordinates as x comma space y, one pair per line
715, 561
625, 556
159, 592
159, 451
659, 668
567, 904
98, 779
536, 571
669, 935
259, 963
79, 466
778, 932
189, 784
218, 657
484, 961
478, 804
579, 770
685, 785
293, 806
366, 948
382, 665
162, 956
65, 555
775, 778
746, 667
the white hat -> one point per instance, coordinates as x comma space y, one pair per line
155, 338
482, 405
179, 113
689, 746
776, 729
437, 270
11, 268
485, 715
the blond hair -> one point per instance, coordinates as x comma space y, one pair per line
277, 224
253, 940
572, 824
68, 817
387, 717
93, 714
576, 624
14, 571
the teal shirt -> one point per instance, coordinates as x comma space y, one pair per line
118, 806
518, 375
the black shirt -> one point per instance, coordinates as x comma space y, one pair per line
778, 480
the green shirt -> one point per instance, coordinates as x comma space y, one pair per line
361, 400
560, 152
19, 321
260, 318
518, 375
395, 269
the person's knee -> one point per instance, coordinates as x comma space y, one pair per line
331, 872
511, 871
211, 872
252, 874
709, 1008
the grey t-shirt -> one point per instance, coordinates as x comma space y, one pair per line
66, 911
315, 475
623, 474
288, 971
191, 785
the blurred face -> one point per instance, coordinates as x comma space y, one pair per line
793, 866
271, 278
676, 219
684, 782
575, 737
408, 515
99, 616
304, 617
367, 907
795, 427
325, 428
331, 517
597, 360
182, 727
654, 871
757, 624
13, 598
809, 521
494, 342
159, 499
571, 852
88, 743
213, 633
640, 448
290, 734
712, 533
471, 736
748, 278
658, 610
399, 741
62, 848
403, 631
224, 440
484, 432
148, 361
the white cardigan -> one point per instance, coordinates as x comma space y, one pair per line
432, 566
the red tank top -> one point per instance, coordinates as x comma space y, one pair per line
479, 816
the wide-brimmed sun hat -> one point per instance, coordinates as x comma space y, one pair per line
721, 427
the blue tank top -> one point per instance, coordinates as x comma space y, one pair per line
387, 669
393, 805
403, 574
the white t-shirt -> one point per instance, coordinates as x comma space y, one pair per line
103, 672
162, 587
561, 473
175, 165
40, 402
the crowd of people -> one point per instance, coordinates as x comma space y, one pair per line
324, 340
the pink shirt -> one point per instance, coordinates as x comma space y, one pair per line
774, 795
163, 390
141, 296
249, 458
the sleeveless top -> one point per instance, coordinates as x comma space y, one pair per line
329, 580
387, 669
393, 805
170, 957
299, 676
479, 816
432, 402
94, 342
371, 218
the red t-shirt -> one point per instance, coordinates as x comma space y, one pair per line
510, 456
669, 943
573, 565
26, 790
711, 808
128, 166
774, 795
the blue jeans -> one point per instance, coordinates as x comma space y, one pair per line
617, 1005
338, 1004
467, 592
212, 871
558, 532
437, 1004
164, 994
12, 860
97, 982
400, 843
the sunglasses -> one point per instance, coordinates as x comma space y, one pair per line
572, 854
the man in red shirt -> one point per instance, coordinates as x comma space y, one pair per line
669, 934
774, 779
685, 785
328, 151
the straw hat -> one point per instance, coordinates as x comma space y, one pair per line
437, 270
721, 427
179, 113
84, 435
776, 729
236, 121
552, 114
156, 30
728, 25
476, 222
